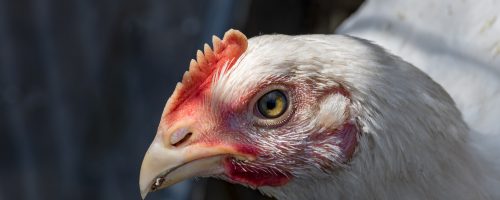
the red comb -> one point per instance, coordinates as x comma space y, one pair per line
201, 70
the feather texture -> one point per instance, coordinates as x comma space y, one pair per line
456, 42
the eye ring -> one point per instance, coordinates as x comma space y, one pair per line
278, 119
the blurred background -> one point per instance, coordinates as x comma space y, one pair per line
83, 84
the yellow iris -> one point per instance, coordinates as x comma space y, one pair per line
273, 104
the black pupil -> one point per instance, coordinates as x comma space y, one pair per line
271, 103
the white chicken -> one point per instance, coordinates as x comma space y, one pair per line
320, 117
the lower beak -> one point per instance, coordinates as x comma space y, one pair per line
166, 165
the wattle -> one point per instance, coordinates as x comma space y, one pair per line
255, 177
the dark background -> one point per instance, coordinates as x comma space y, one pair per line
83, 84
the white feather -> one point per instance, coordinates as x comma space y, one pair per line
457, 43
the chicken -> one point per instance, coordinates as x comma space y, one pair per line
316, 117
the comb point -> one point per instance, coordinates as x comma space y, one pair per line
200, 58
193, 66
235, 35
209, 54
186, 78
216, 42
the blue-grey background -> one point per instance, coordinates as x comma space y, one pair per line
83, 84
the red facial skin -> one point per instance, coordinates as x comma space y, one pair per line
189, 109
255, 177
219, 132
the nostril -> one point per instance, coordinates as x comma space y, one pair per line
188, 135
180, 136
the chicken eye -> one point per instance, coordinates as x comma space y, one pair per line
272, 104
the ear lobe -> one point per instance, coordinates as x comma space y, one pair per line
333, 111
207, 63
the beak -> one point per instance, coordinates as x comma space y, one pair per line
165, 165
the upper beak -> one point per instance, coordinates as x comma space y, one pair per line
165, 165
